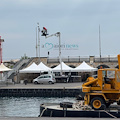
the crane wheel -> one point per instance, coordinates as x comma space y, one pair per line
107, 105
118, 102
98, 103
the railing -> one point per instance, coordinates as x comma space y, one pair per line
16, 67
105, 59
79, 59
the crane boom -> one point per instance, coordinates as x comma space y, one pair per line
56, 34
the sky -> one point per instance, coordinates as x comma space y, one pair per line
77, 20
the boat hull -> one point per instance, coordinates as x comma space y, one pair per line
49, 112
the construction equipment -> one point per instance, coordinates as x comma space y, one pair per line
104, 90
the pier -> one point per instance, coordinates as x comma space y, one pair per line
48, 118
41, 90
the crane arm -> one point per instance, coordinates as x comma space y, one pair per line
89, 82
56, 34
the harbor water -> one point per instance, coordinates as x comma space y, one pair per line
26, 106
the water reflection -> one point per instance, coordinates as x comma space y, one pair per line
26, 106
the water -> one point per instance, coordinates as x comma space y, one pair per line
26, 106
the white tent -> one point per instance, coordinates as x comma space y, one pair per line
33, 68
43, 67
4, 68
84, 67
65, 68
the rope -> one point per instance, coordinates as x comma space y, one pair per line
109, 114
42, 112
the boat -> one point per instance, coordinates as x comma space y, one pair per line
68, 109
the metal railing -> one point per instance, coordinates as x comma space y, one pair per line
79, 59
15, 68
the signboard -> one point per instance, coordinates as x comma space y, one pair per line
67, 49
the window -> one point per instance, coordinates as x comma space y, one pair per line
118, 76
111, 74
40, 77
46, 76
103, 73
108, 74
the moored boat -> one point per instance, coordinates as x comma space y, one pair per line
72, 110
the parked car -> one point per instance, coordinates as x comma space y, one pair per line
46, 78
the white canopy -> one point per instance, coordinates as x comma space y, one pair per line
43, 67
65, 68
84, 67
4, 68
33, 68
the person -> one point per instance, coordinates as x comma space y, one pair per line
106, 79
25, 81
69, 78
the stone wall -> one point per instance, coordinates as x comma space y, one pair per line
30, 77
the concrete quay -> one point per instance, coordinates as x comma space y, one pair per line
42, 90
53, 118
74, 85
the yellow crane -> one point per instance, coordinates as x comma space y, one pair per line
104, 90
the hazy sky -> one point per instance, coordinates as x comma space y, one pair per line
77, 20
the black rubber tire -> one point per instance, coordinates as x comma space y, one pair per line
118, 102
35, 82
107, 105
66, 104
101, 101
50, 82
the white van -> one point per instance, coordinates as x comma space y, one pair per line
46, 78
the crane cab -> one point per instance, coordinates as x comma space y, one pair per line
109, 79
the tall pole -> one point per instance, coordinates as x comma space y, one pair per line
39, 40
36, 44
99, 43
1, 40
60, 53
0, 51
